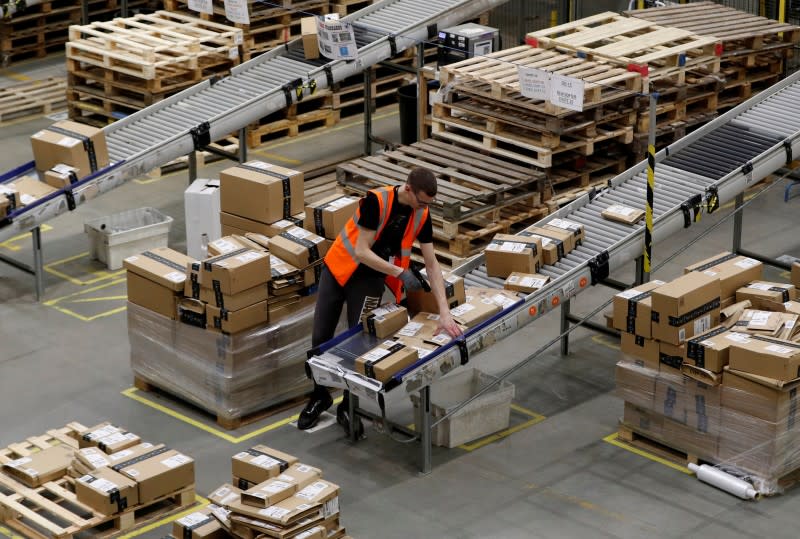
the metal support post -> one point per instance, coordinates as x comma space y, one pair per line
243, 144
38, 262
565, 327
368, 111
85, 12
737, 224
192, 160
639, 278
123, 8
591, 324
425, 429
422, 93
651, 186
352, 406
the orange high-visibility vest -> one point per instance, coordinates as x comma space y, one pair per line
341, 258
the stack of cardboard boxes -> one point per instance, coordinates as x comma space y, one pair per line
272, 495
711, 365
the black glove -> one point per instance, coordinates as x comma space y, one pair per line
410, 281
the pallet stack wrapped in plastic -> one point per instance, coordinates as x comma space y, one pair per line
727, 394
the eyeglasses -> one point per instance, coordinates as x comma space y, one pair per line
422, 203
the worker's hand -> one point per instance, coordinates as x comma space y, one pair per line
410, 281
449, 326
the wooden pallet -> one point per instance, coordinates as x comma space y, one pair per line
670, 133
152, 46
32, 99
579, 171
104, 10
602, 83
739, 31
647, 443
353, 94
347, 7
17, 45
67, 435
656, 52
292, 127
565, 194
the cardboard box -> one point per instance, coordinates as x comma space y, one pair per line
192, 312
622, 214
300, 473
684, 437
732, 270
106, 491
703, 406
386, 360
576, 229
796, 274
94, 457
555, 241
670, 397
260, 463
238, 301
526, 283
763, 448
71, 143
235, 271
152, 296
9, 199
234, 224
633, 309
162, 265
327, 216
508, 253
711, 350
299, 247
474, 311
423, 327
762, 293
30, 190
61, 176
201, 208
268, 493
768, 357
199, 525
643, 420
755, 322
308, 31
670, 357
261, 191
644, 350
230, 243
685, 307
421, 301
40, 467
635, 383
165, 472
320, 494
235, 321
385, 321
247, 526
764, 398
225, 495
108, 438
790, 327
499, 296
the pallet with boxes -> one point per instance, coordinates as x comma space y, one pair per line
710, 368
100, 481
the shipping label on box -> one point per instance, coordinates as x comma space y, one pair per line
623, 214
225, 495
525, 282
61, 176
474, 311
268, 493
236, 271
106, 491
762, 293
260, 463
710, 350
71, 143
385, 321
300, 248
421, 301
327, 217
386, 360
94, 457
555, 241
424, 327
633, 309
158, 473
757, 322
108, 438
162, 265
576, 229
199, 525
733, 271
508, 253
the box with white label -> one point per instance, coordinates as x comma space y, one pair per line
576, 229
525, 282
201, 204
623, 214
711, 350
633, 309
199, 525
763, 294
299, 247
386, 360
771, 358
260, 463
235, 271
156, 279
508, 253
385, 321
327, 217
685, 307
166, 471
422, 301
71, 143
732, 270
108, 438
106, 491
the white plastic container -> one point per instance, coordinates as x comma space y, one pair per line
486, 415
201, 202
115, 237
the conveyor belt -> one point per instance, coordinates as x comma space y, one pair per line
719, 160
207, 112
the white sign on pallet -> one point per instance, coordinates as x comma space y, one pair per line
202, 6
336, 39
566, 92
534, 83
237, 11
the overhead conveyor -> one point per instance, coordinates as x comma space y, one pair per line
705, 169
210, 110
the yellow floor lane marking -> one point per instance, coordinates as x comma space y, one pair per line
102, 298
99, 275
54, 303
133, 393
607, 341
10, 533
14, 75
276, 157
10, 243
613, 439
202, 502
535, 418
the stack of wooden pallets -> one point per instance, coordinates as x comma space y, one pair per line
32, 99
118, 67
485, 109
35, 31
343, 8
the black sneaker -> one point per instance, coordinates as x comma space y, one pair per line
320, 401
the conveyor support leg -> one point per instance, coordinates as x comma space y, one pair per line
243, 144
352, 406
192, 160
425, 429
737, 224
368, 111
38, 262
565, 327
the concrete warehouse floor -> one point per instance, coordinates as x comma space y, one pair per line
555, 478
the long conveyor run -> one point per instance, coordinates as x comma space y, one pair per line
703, 170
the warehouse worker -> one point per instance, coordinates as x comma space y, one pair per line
374, 249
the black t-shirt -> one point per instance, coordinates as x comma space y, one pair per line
391, 237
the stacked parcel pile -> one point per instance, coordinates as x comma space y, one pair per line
711, 365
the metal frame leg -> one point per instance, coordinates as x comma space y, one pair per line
737, 224
352, 405
639, 278
367, 111
425, 430
565, 327
192, 160
38, 262
243, 144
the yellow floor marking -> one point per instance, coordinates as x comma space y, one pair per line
10, 533
786, 274
54, 302
607, 341
133, 393
103, 298
10, 243
100, 275
14, 75
276, 157
535, 418
167, 520
732, 203
580, 502
613, 439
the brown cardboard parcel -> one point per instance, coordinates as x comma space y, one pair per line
327, 216
234, 224
796, 274
633, 309
644, 350
556, 242
30, 190
576, 229
643, 420
235, 302
225, 495
299, 247
507, 253
235, 321
40, 467
106, 491
260, 463
685, 307
164, 473
762, 294
94, 457
764, 398
635, 383
319, 493
199, 525
711, 349
232, 242
152, 295
733, 271
162, 266
755, 322
475, 311
308, 31
61, 176
108, 438
525, 282
235, 271
385, 360
423, 327
421, 301
70, 143
276, 489
261, 191
764, 356
385, 321
623, 214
